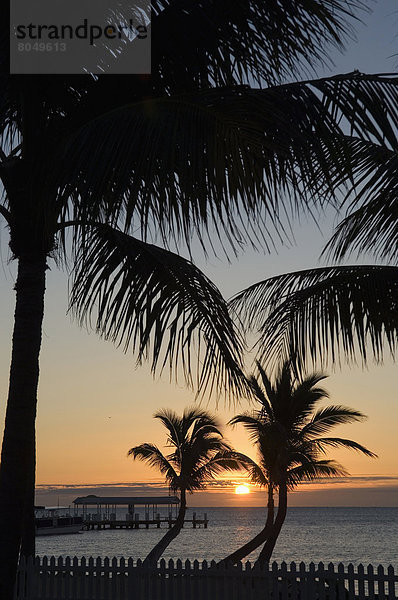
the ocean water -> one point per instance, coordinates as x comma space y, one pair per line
347, 535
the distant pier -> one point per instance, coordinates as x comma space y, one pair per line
107, 512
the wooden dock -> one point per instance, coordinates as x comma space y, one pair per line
137, 523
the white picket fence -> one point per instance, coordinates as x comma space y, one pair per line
119, 579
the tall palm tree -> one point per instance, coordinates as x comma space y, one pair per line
198, 454
288, 431
191, 150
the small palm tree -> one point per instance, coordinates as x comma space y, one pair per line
198, 454
288, 431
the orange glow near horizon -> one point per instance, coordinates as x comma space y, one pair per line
242, 489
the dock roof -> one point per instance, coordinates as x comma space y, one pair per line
120, 500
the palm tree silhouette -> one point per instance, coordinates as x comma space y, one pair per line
288, 431
189, 151
198, 454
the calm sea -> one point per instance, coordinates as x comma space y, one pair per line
347, 535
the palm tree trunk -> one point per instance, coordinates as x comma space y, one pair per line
266, 552
260, 538
172, 533
18, 460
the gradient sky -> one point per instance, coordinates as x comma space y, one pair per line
94, 404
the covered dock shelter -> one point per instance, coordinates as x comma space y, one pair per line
107, 506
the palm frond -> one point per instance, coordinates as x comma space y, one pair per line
322, 443
233, 162
154, 457
200, 451
371, 118
225, 460
310, 471
324, 314
284, 386
199, 423
197, 163
252, 422
373, 227
330, 416
206, 428
260, 396
257, 475
157, 302
367, 104
305, 396
245, 40
172, 422
243, 459
268, 387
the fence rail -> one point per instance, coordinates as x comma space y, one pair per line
66, 578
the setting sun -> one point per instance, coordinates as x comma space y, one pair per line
242, 489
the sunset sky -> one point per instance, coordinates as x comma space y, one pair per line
94, 404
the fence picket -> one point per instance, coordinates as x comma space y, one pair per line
51, 587
123, 579
67, 576
237, 581
275, 580
204, 588
331, 581
34, 568
293, 580
371, 582
97, 584
132, 575
90, 582
46, 578
77, 579
321, 583
380, 583
104, 579
391, 582
283, 593
113, 579
196, 581
361, 582
303, 592
340, 587
311, 580
351, 582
